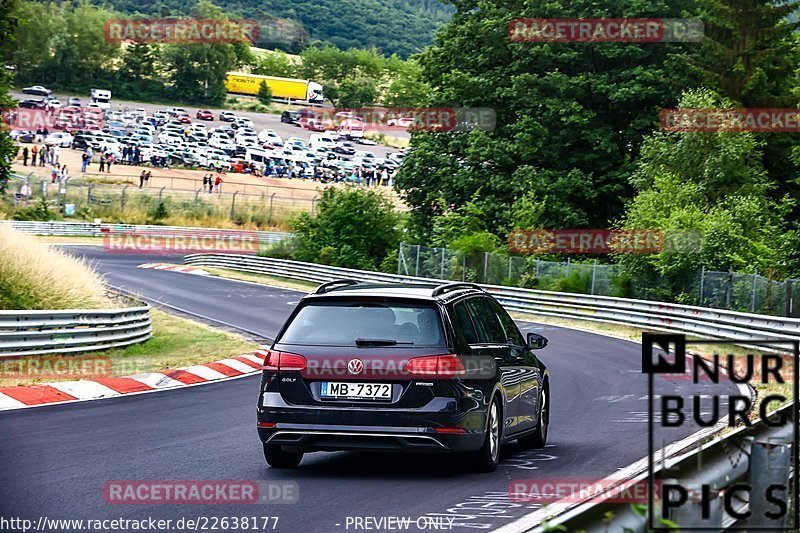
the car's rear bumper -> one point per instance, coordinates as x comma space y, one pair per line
314, 428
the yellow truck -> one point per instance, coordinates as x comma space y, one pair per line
286, 88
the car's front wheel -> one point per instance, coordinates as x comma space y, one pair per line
487, 458
277, 457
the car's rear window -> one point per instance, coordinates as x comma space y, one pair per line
347, 323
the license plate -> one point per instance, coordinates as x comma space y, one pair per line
359, 391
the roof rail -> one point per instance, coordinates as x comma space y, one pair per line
441, 289
329, 286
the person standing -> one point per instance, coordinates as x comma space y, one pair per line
39, 135
147, 178
25, 156
205, 182
56, 154
34, 154
64, 174
53, 174
84, 162
42, 155
25, 192
109, 160
102, 162
218, 183
141, 178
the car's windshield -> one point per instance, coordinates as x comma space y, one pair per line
348, 323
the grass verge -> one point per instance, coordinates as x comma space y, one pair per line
176, 342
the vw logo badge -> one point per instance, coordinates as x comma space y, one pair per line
355, 366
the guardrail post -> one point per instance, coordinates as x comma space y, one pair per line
770, 464
43, 188
753, 300
441, 270
233, 203
486, 267
313, 205
729, 289
196, 199
161, 194
271, 198
122, 198
399, 257
568, 266
89, 194
788, 303
702, 283
509, 268
594, 275
416, 270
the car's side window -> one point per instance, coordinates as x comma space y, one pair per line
489, 328
511, 329
465, 332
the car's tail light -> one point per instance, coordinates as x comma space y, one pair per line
284, 361
440, 366
450, 430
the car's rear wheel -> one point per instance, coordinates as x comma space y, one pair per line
539, 437
277, 457
487, 458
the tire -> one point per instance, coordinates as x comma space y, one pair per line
486, 459
539, 438
278, 458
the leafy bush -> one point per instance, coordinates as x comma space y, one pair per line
353, 228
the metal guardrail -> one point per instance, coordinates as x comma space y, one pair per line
694, 321
72, 330
90, 229
756, 457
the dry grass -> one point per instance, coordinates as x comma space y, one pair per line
33, 276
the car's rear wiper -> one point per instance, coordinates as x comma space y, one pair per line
379, 342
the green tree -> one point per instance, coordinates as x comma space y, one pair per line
709, 194
749, 55
264, 93
353, 228
273, 64
8, 149
570, 116
198, 70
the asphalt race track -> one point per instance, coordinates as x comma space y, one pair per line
57, 459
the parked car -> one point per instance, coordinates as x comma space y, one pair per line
32, 104
290, 117
37, 90
204, 114
403, 368
227, 116
22, 136
184, 118
60, 138
345, 148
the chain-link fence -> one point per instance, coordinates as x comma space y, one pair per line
129, 203
724, 290
499, 269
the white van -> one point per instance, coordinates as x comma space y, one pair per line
101, 97
319, 140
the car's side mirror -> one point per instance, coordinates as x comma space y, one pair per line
536, 341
